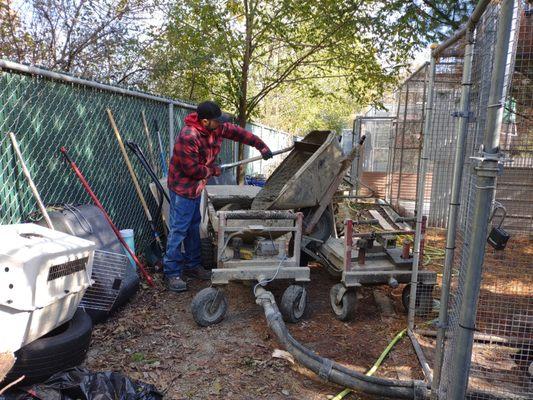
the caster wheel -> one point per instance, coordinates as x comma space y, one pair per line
343, 304
294, 303
424, 299
209, 306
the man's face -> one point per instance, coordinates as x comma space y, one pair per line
210, 124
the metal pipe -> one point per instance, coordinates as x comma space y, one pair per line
256, 158
354, 173
28, 69
422, 125
420, 193
486, 172
392, 154
365, 117
171, 137
403, 144
455, 198
426, 369
470, 25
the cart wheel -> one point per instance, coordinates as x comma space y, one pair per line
209, 306
294, 303
344, 308
424, 299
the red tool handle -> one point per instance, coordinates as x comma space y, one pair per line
110, 222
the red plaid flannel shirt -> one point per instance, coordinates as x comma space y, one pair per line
195, 151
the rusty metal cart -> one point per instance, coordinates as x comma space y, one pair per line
373, 258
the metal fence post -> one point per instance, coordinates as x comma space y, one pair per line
171, 128
354, 173
462, 129
485, 172
421, 193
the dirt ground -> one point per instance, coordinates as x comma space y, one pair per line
155, 339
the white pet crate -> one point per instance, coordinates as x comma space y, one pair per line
43, 276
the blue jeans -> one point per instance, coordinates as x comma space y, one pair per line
184, 228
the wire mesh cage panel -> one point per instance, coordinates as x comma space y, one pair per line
405, 145
502, 350
442, 134
375, 155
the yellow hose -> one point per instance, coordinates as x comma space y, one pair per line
378, 362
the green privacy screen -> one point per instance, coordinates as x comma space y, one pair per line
46, 114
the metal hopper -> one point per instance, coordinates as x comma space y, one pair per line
306, 174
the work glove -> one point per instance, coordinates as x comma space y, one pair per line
266, 153
215, 170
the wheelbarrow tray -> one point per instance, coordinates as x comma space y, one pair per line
305, 175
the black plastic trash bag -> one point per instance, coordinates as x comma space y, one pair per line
81, 384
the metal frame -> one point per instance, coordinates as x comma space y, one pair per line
486, 172
455, 198
355, 274
258, 269
356, 168
488, 165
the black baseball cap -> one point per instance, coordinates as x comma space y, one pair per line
211, 110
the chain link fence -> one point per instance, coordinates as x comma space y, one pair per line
47, 110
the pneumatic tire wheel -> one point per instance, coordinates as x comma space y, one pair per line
424, 299
64, 347
209, 306
294, 302
345, 305
208, 253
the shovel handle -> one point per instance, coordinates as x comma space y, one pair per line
256, 158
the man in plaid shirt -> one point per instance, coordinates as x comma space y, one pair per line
192, 164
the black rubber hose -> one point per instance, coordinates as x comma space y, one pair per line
330, 370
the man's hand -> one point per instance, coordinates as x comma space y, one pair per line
266, 153
215, 170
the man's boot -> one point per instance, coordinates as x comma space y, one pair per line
176, 284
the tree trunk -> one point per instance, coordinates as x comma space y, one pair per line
243, 106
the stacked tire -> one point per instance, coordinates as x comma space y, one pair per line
64, 347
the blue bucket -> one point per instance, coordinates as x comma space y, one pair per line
129, 237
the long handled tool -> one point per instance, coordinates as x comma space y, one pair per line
135, 181
149, 140
136, 149
161, 150
109, 221
26, 173
252, 159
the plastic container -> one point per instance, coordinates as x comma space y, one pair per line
87, 222
43, 277
129, 237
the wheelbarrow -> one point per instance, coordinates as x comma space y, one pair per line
256, 234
